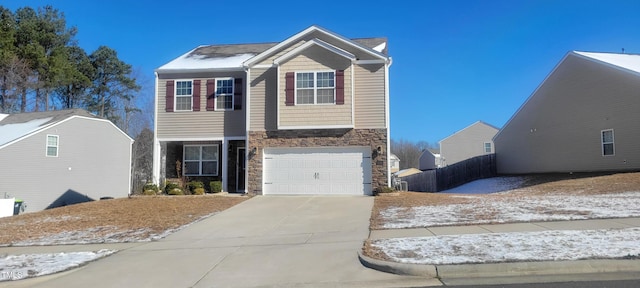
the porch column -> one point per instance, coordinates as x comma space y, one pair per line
225, 164
156, 162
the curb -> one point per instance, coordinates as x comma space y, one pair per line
398, 268
503, 269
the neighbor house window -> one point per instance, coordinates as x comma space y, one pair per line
184, 95
200, 160
52, 145
224, 94
487, 147
315, 88
607, 143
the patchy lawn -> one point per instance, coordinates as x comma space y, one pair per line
511, 199
537, 198
142, 218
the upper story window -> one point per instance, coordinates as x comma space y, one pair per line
608, 148
315, 88
52, 145
487, 147
184, 95
224, 94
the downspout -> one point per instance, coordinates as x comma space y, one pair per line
247, 122
386, 96
156, 144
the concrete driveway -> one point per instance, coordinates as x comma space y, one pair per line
266, 241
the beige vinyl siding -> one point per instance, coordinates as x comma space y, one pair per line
320, 36
93, 161
370, 96
203, 123
263, 99
316, 59
559, 128
269, 60
466, 143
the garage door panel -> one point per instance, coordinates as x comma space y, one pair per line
337, 170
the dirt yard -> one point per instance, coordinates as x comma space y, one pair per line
140, 218
578, 184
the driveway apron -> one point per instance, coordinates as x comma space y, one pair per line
265, 241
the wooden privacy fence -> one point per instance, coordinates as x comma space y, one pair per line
454, 175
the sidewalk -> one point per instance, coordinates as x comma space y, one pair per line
463, 273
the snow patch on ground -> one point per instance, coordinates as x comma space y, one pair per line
511, 247
103, 234
483, 209
16, 267
488, 185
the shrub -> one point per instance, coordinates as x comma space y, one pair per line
194, 185
216, 186
149, 192
198, 191
176, 191
150, 189
384, 189
171, 186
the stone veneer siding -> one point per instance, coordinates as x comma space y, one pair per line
373, 138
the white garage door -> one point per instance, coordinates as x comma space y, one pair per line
332, 171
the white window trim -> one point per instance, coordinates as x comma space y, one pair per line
175, 95
184, 164
215, 92
315, 87
46, 151
484, 147
613, 141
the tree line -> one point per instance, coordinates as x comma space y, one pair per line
409, 152
42, 68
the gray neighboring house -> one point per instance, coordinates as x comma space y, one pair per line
307, 115
583, 117
56, 158
474, 140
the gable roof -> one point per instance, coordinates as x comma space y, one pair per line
629, 63
314, 29
237, 56
14, 127
479, 122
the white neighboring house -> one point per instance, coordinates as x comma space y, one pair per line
394, 163
430, 159
474, 140
57, 158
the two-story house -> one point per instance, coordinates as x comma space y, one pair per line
308, 115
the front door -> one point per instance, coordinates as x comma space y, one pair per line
240, 169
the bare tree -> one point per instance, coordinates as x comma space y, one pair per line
409, 152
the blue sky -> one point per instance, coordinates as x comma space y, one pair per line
454, 62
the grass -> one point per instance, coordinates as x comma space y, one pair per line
533, 185
119, 220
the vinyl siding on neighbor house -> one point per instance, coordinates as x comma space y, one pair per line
559, 128
203, 123
316, 59
467, 143
94, 160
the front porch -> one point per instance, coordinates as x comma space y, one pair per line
212, 160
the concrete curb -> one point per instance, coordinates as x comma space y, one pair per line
398, 268
503, 269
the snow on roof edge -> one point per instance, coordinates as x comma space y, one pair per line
626, 61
